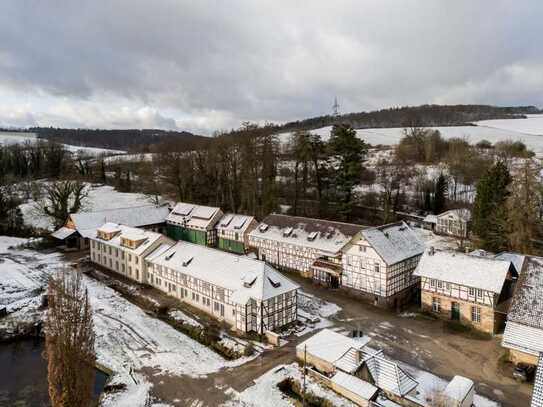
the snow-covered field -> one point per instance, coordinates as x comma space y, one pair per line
530, 131
16, 137
100, 197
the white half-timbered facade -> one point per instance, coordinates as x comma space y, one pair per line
380, 264
247, 294
123, 249
309, 246
472, 290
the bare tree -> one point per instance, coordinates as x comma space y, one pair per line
60, 199
69, 341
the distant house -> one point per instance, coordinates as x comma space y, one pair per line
309, 246
79, 227
249, 295
233, 232
194, 223
123, 249
379, 264
473, 290
453, 223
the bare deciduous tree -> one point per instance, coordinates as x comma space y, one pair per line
60, 199
69, 340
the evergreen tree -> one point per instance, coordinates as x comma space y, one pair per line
440, 194
490, 211
347, 153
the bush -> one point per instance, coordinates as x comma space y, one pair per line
294, 390
484, 144
249, 349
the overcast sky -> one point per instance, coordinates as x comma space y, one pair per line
209, 65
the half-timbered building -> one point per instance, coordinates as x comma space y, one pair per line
123, 249
233, 232
247, 294
453, 223
379, 265
472, 290
309, 246
194, 223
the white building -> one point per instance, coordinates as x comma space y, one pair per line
123, 249
79, 227
454, 223
379, 265
247, 294
309, 246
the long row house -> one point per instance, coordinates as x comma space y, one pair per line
248, 295
375, 263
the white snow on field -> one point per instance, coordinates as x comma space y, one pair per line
8, 137
128, 158
533, 124
506, 130
100, 197
264, 392
91, 150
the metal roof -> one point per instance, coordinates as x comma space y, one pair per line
537, 393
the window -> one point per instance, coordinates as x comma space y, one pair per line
129, 270
436, 304
116, 252
110, 263
476, 314
432, 283
439, 284
123, 268
362, 248
479, 293
110, 250
129, 257
472, 291
376, 267
93, 244
137, 259
117, 265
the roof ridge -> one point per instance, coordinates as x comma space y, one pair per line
317, 219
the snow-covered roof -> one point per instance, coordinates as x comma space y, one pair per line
527, 305
193, 216
234, 222
87, 222
516, 259
323, 235
523, 338
355, 385
130, 233
537, 393
245, 277
462, 214
457, 268
63, 233
388, 375
330, 346
459, 389
394, 242
430, 219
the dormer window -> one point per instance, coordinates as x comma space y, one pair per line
263, 227
287, 232
312, 236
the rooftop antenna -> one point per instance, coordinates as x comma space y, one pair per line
335, 107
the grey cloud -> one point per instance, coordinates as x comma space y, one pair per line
212, 64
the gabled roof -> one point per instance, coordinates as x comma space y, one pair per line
459, 389
457, 268
456, 214
234, 222
193, 216
138, 216
247, 278
537, 393
516, 259
388, 375
394, 242
319, 234
63, 233
523, 338
331, 346
147, 237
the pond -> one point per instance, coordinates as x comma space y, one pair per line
23, 375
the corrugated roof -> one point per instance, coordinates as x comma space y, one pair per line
458, 268
331, 236
226, 270
389, 376
537, 393
234, 222
394, 242
355, 385
523, 338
